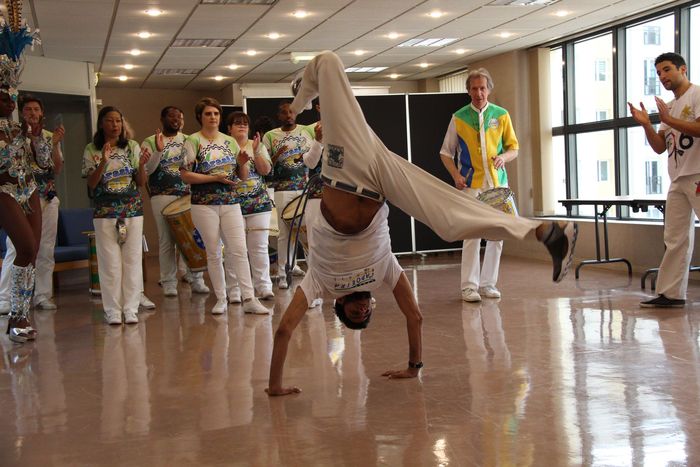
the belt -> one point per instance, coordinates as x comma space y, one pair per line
353, 189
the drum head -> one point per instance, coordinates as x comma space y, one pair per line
178, 206
291, 208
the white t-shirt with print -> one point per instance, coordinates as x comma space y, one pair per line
340, 264
683, 150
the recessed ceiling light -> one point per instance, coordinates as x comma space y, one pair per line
300, 14
359, 52
144, 34
423, 65
154, 12
123, 77
128, 66
232, 66
562, 13
273, 35
394, 76
461, 51
135, 52
436, 14
505, 34
393, 35
219, 78
251, 52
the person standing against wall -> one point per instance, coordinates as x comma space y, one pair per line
481, 135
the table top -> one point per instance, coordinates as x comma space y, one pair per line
616, 200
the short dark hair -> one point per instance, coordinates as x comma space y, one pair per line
205, 102
340, 311
237, 116
168, 108
672, 57
27, 98
283, 102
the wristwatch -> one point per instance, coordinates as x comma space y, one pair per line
417, 366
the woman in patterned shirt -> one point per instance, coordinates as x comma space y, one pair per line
213, 165
114, 168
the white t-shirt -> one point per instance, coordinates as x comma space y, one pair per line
340, 264
683, 150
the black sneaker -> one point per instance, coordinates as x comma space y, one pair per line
663, 302
560, 243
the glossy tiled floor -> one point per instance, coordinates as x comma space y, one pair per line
573, 374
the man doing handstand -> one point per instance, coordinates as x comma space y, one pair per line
350, 248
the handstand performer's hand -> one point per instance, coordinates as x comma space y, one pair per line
282, 391
407, 373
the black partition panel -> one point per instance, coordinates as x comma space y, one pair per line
429, 117
227, 110
386, 115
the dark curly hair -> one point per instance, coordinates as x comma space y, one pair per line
340, 310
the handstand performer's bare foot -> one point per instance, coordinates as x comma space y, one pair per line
560, 240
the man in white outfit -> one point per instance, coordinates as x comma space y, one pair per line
679, 134
350, 252
165, 185
481, 135
47, 146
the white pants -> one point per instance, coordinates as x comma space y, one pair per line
679, 233
257, 228
224, 222
43, 288
354, 155
475, 274
119, 267
282, 198
313, 210
167, 255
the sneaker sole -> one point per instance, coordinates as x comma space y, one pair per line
571, 232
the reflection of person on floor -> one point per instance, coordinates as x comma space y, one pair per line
679, 134
351, 254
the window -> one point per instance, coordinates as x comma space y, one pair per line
641, 81
593, 91
601, 70
602, 171
652, 85
556, 79
605, 152
652, 35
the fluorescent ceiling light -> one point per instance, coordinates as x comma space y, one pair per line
360, 52
436, 14
274, 35
128, 66
420, 42
300, 14
123, 77
135, 52
394, 76
251, 52
297, 57
154, 12
461, 51
393, 35
423, 65
144, 34
218, 78
232, 66
365, 69
562, 13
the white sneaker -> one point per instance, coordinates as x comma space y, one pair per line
234, 295
220, 307
113, 318
188, 277
282, 283
470, 295
253, 306
198, 286
266, 294
489, 292
316, 302
144, 302
297, 271
46, 305
170, 290
130, 317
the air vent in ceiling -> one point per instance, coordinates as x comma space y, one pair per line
176, 71
202, 42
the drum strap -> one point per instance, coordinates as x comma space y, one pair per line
311, 186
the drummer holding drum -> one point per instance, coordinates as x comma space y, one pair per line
165, 186
481, 135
